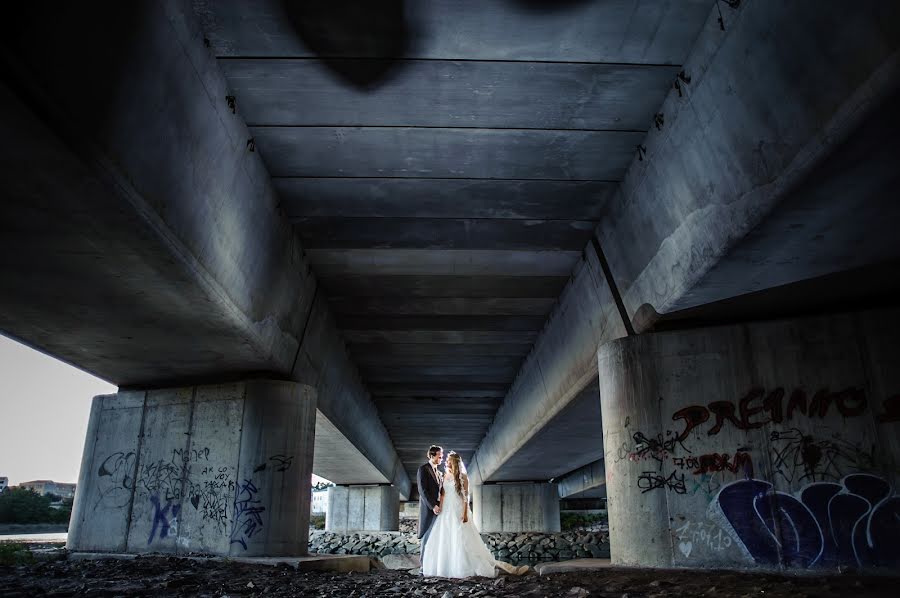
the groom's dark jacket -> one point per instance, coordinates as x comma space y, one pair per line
429, 497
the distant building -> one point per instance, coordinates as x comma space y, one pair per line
4, 483
44, 487
319, 502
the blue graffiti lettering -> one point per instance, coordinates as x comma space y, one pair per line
161, 521
852, 523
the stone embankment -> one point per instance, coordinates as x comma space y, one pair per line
513, 547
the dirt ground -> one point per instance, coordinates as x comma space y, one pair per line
167, 576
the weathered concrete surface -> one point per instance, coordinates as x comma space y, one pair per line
451, 94
212, 469
523, 507
764, 445
544, 457
560, 370
728, 198
336, 455
587, 477
357, 508
126, 202
765, 172
139, 202
447, 159
354, 447
142, 233
625, 31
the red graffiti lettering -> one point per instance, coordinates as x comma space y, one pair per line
820, 403
724, 410
797, 401
754, 411
747, 411
772, 405
715, 462
693, 416
851, 402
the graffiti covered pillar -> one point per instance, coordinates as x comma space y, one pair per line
221, 469
637, 520
770, 445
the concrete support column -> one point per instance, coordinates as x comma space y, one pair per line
762, 445
358, 508
516, 507
219, 469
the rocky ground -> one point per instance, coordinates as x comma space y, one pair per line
168, 576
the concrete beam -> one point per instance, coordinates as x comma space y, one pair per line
720, 181
560, 368
450, 93
586, 477
462, 323
373, 360
625, 31
454, 337
567, 440
146, 244
567, 155
443, 306
443, 198
443, 262
324, 361
449, 352
446, 233
764, 175
404, 288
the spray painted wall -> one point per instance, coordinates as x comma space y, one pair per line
766, 445
210, 469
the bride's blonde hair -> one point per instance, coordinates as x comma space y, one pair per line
454, 462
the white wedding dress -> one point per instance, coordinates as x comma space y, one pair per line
454, 548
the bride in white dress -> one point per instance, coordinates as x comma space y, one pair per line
454, 547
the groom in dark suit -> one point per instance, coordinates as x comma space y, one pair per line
430, 480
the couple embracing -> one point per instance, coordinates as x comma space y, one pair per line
451, 544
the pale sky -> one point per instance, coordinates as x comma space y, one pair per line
44, 409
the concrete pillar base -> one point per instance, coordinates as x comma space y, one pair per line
222, 470
755, 445
516, 507
363, 508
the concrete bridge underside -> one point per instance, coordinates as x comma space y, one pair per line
436, 213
